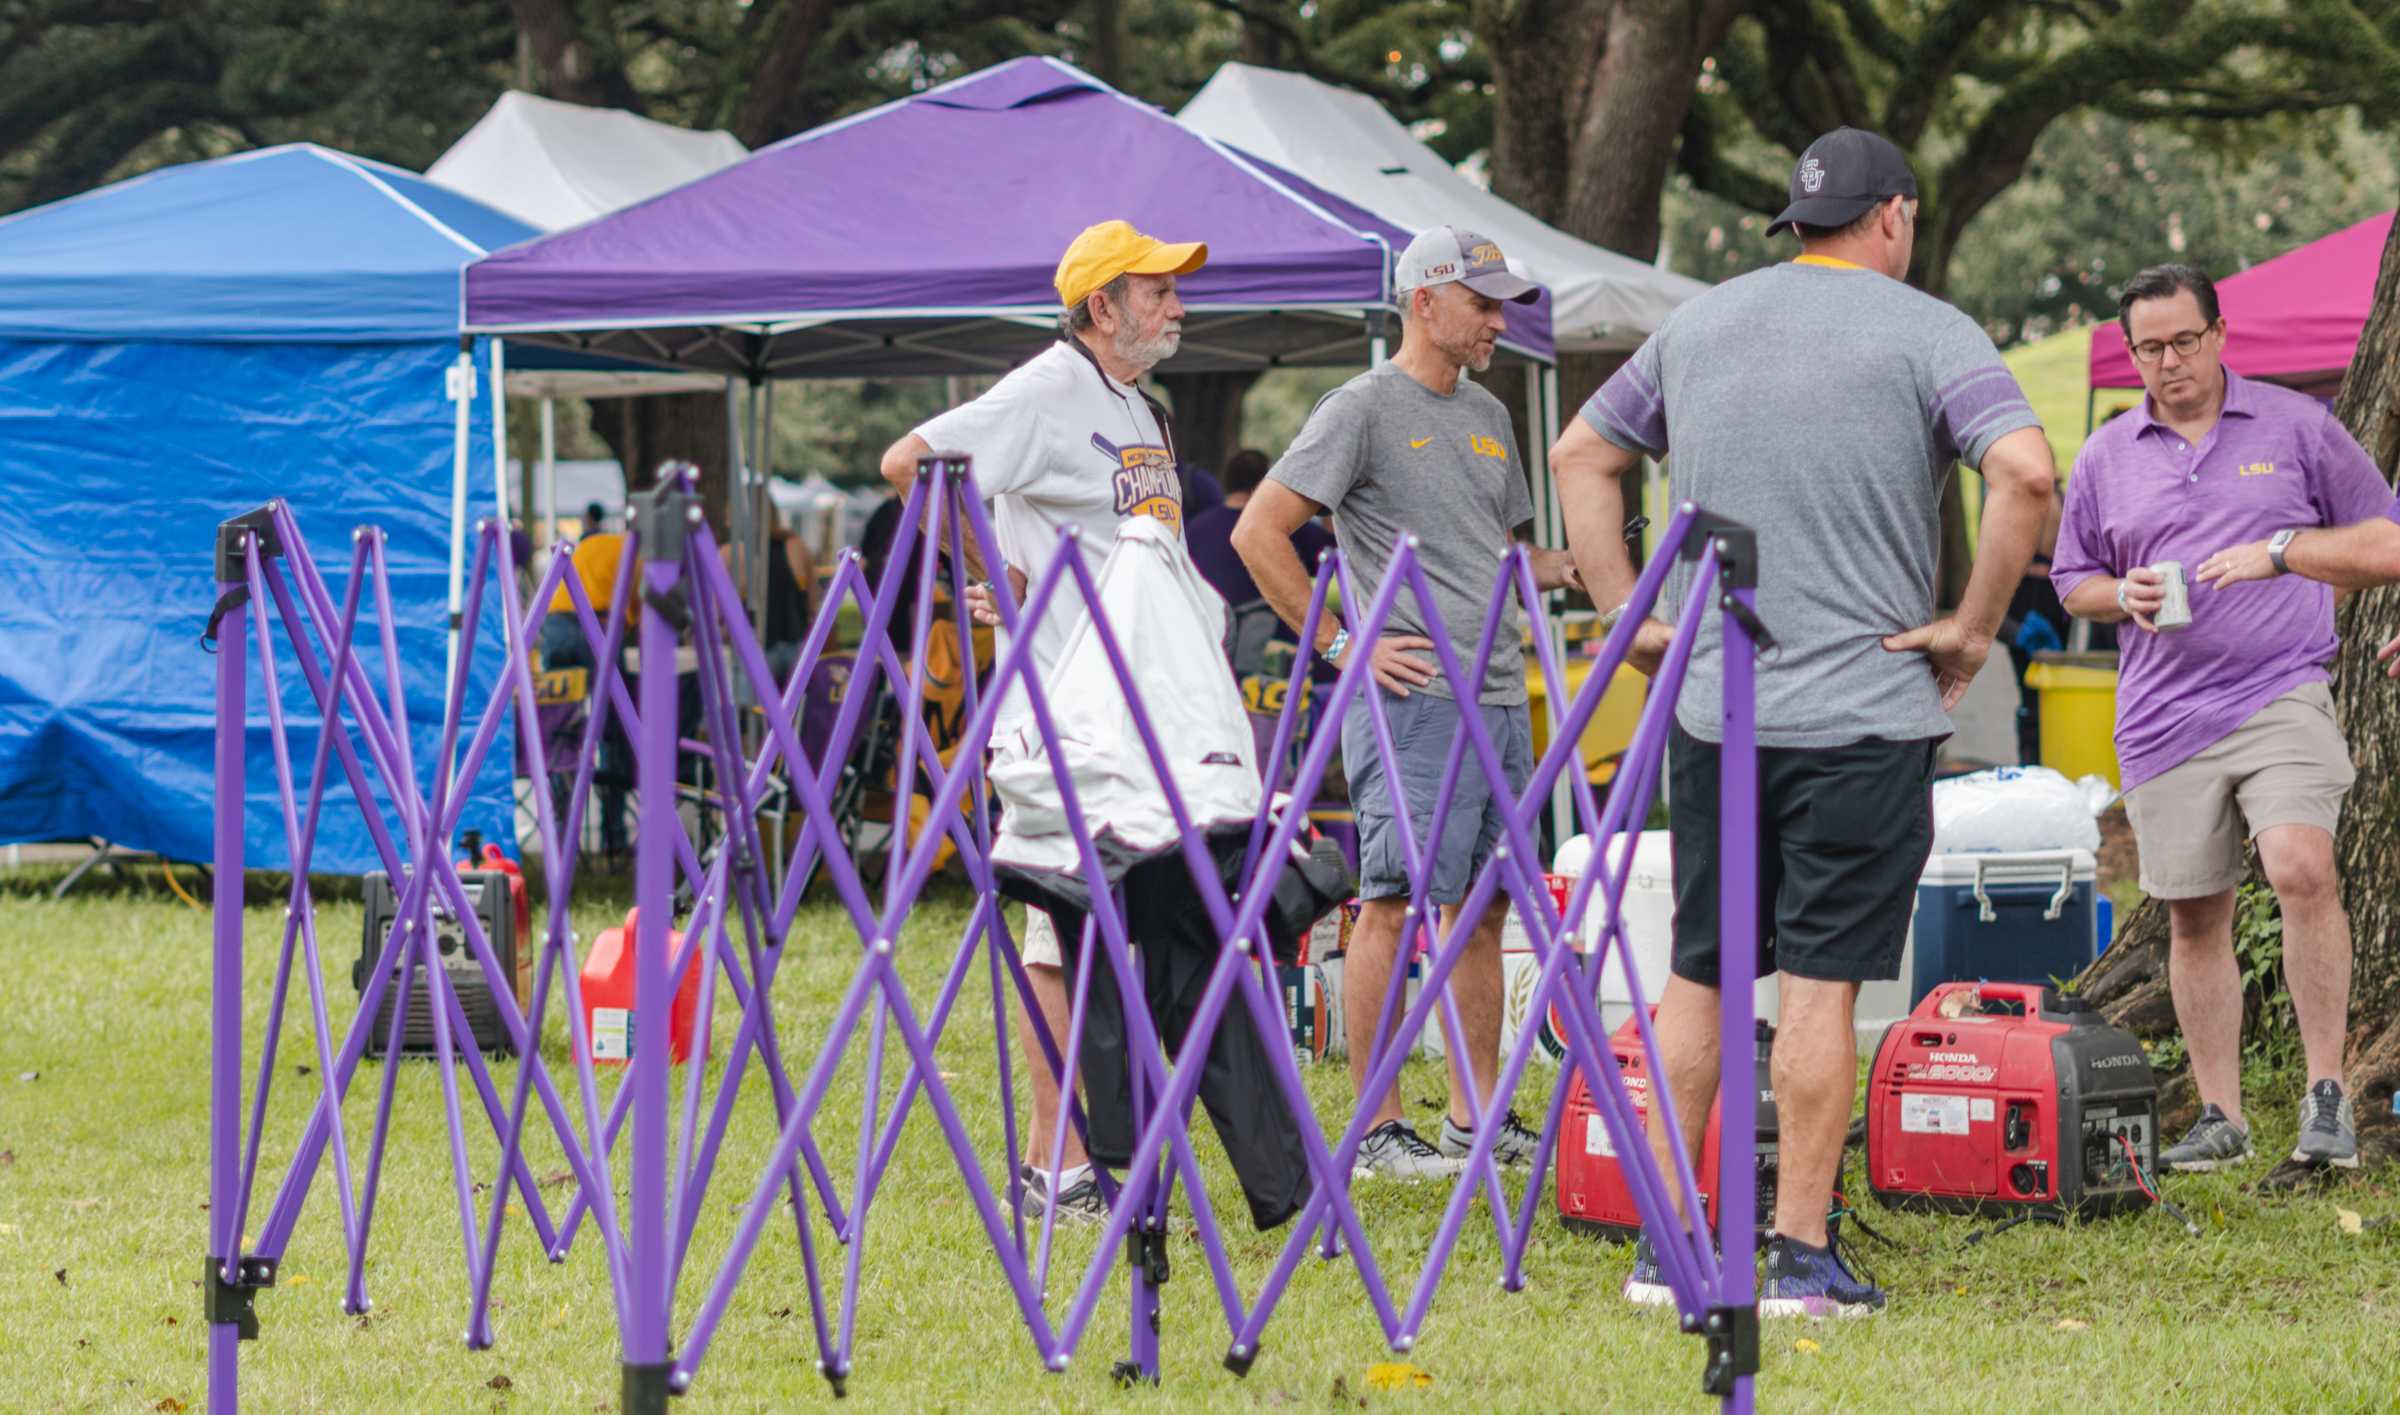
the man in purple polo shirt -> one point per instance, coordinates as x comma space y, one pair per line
2225, 728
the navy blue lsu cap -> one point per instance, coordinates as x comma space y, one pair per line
1843, 174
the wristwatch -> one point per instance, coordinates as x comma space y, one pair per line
1609, 620
1333, 651
2276, 545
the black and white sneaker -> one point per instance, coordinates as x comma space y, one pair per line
1393, 1151
1079, 1201
2213, 1142
2327, 1134
1513, 1145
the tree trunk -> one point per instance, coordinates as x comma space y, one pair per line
1589, 97
2130, 983
1208, 415
676, 427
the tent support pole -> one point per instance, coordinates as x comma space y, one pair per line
549, 471
500, 497
737, 481
462, 395
762, 402
1542, 421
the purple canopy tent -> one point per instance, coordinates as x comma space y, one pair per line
919, 239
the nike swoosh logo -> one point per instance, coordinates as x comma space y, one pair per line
1419, 441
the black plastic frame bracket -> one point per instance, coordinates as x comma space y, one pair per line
232, 566
1732, 1334
233, 1303
646, 1389
663, 517
1239, 1360
1146, 1250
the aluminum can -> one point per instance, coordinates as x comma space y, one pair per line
2176, 613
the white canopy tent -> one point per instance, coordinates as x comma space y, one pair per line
1347, 143
554, 165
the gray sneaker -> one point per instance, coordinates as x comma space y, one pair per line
1393, 1151
2213, 1141
1513, 1145
2327, 1135
1079, 1202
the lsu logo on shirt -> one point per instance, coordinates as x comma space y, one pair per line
1145, 481
2258, 469
1487, 446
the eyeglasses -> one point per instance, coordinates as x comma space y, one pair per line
2186, 344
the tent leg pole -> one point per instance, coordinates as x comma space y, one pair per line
462, 394
550, 471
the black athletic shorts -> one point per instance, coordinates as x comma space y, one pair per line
1843, 833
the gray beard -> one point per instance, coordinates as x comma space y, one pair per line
1147, 353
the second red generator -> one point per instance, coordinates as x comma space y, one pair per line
1593, 1196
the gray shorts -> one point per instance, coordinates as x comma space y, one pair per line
1423, 727
2287, 765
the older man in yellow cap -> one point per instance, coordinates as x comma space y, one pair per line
1069, 439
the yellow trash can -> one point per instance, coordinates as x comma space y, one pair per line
2078, 707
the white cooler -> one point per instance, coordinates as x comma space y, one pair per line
1648, 909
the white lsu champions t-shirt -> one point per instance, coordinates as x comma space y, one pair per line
1059, 443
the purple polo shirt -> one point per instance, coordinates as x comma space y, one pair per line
2140, 495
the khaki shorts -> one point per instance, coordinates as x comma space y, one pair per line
2287, 765
1037, 941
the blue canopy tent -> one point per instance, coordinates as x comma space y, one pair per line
176, 349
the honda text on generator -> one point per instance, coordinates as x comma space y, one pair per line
1593, 1196
2001, 1097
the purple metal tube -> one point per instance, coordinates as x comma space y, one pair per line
225, 998
645, 1336
1737, 906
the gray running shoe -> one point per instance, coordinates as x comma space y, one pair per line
1393, 1151
2327, 1135
1079, 1202
1514, 1145
2212, 1142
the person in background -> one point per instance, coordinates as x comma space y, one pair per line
1210, 535
2225, 727
1821, 403
596, 559
791, 571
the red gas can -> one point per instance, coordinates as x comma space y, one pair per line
608, 979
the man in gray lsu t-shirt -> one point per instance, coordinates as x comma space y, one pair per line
1821, 403
1412, 447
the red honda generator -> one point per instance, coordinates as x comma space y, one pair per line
2000, 1097
1593, 1196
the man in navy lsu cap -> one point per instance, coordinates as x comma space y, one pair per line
1821, 402
1843, 176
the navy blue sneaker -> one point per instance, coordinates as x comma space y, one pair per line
1646, 1286
1806, 1281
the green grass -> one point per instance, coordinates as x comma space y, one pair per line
102, 1233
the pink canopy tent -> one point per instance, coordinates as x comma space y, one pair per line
2292, 320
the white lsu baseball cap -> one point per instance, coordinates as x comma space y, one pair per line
1447, 253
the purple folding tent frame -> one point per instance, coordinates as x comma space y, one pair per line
684, 598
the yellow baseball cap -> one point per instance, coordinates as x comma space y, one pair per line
1113, 248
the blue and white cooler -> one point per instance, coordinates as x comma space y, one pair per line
2014, 916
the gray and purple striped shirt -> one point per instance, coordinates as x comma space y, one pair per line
1823, 406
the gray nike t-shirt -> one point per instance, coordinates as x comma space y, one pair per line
1822, 406
1386, 454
